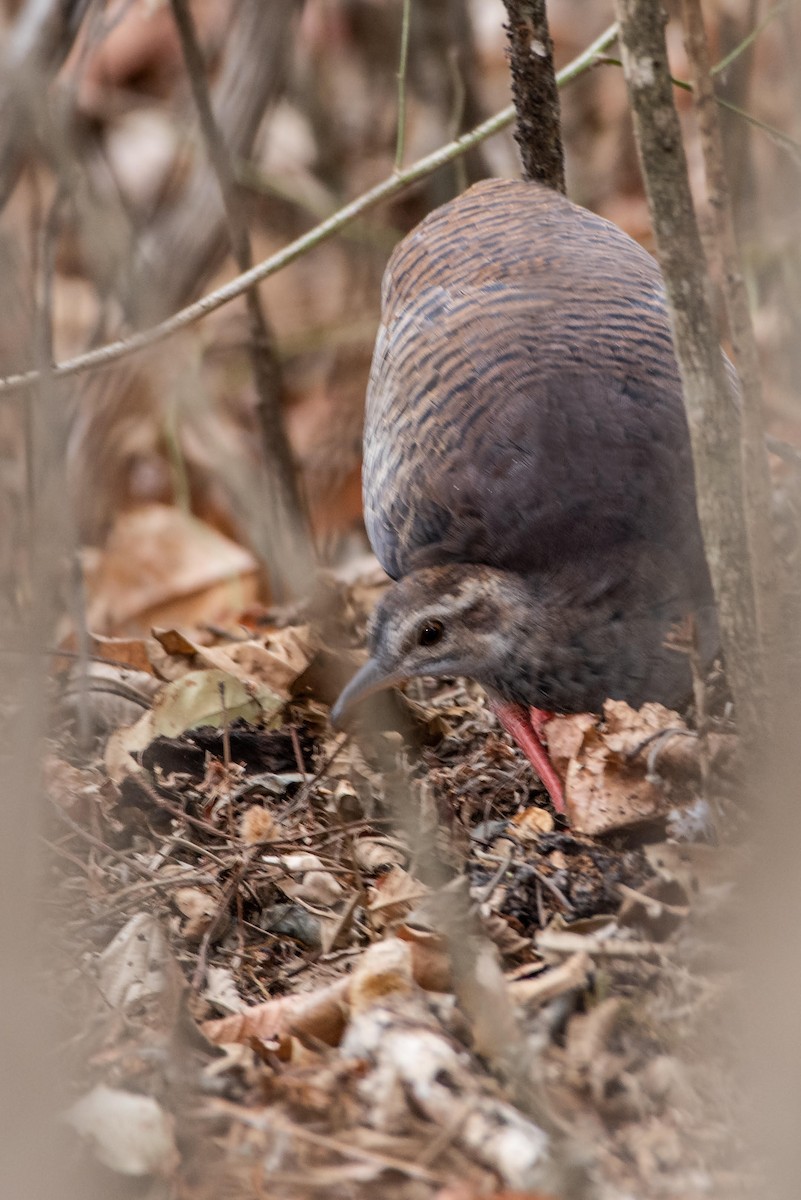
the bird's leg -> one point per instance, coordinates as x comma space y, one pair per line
526, 729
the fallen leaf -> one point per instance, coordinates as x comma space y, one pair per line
276, 660
607, 785
431, 963
127, 1132
320, 1014
199, 698
531, 822
222, 991
198, 907
134, 965
393, 895
161, 566
372, 854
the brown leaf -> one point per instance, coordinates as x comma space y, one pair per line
161, 566
530, 823
393, 895
605, 782
320, 1014
257, 824
275, 660
431, 964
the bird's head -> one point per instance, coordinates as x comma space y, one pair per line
451, 620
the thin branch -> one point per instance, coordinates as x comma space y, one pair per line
186, 241
402, 68
536, 96
782, 139
103, 356
711, 411
756, 480
749, 40
291, 562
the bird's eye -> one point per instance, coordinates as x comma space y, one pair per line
430, 633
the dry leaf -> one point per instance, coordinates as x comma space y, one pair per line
127, 1132
127, 652
134, 965
605, 787
393, 895
372, 854
161, 566
319, 1014
431, 964
198, 907
315, 887
257, 824
200, 698
530, 823
276, 661
384, 970
417, 1068
221, 990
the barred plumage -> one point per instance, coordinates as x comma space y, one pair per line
524, 414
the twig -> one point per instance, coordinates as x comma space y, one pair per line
711, 410
750, 38
186, 240
484, 998
126, 859
402, 67
536, 96
756, 479
291, 561
215, 924
298, 752
104, 356
782, 139
192, 875
305, 792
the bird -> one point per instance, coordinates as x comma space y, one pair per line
527, 471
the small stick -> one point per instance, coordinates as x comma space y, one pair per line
402, 65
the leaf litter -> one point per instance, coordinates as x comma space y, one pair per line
253, 902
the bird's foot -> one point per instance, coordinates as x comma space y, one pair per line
526, 729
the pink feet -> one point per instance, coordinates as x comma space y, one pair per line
526, 729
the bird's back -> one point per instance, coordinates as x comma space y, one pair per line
524, 405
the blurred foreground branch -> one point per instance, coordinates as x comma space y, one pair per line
713, 417
187, 239
291, 559
42, 37
395, 183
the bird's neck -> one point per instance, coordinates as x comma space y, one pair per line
570, 649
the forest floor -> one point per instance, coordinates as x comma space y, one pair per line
327, 964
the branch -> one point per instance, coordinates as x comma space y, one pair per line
103, 356
711, 411
756, 479
187, 239
402, 65
42, 38
534, 88
291, 561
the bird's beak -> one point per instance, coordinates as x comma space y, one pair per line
368, 679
